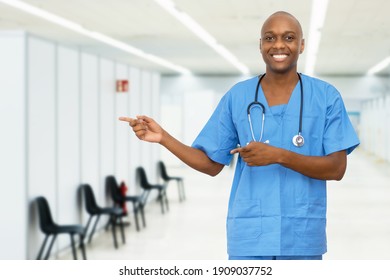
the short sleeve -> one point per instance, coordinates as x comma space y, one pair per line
219, 136
339, 133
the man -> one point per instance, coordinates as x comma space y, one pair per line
277, 206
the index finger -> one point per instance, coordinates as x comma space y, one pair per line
236, 150
125, 119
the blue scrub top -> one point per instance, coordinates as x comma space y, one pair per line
273, 210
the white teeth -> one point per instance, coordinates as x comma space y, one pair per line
279, 56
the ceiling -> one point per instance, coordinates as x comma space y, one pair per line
355, 37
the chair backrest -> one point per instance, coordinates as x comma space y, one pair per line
162, 171
141, 178
113, 187
46, 221
90, 201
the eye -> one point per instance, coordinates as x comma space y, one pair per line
289, 38
269, 38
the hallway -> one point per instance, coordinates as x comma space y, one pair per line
358, 219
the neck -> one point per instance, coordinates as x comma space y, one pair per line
278, 87
281, 79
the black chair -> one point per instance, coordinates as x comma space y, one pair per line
50, 228
142, 180
115, 214
166, 178
118, 198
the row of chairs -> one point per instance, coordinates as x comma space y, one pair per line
115, 213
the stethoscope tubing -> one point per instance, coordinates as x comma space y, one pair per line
298, 140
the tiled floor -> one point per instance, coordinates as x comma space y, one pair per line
358, 219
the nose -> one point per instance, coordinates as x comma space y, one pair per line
278, 44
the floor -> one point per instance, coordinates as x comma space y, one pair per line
358, 219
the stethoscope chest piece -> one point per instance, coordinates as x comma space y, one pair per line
298, 140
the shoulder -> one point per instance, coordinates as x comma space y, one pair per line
242, 87
317, 85
323, 95
321, 90
238, 93
244, 84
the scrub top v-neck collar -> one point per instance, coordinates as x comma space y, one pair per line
278, 112
268, 111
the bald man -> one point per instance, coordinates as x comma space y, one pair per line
292, 134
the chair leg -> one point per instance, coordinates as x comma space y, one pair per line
73, 247
87, 225
166, 199
113, 225
141, 208
82, 247
93, 229
135, 210
42, 247
51, 246
161, 198
122, 229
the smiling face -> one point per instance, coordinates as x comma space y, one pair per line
281, 43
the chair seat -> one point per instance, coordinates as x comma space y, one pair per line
175, 178
157, 187
132, 198
74, 229
97, 210
110, 210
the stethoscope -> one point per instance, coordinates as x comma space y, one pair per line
298, 139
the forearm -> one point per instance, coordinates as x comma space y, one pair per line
331, 167
192, 157
147, 129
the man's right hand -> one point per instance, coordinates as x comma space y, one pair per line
145, 128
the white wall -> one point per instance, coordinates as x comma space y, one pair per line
155, 110
199, 105
13, 118
146, 90
90, 123
68, 137
107, 117
375, 127
135, 98
60, 110
122, 135
41, 131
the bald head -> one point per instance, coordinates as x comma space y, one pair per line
283, 14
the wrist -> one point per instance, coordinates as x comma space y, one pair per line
163, 138
281, 157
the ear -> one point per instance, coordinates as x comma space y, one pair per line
302, 46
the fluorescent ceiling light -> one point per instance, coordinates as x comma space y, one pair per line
198, 30
95, 35
379, 67
317, 19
